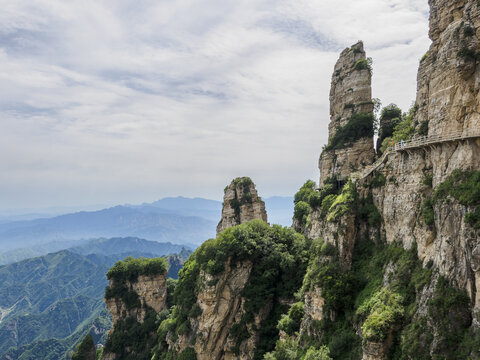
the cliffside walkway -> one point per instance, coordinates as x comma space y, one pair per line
415, 143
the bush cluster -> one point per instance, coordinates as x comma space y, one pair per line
138, 338
290, 322
463, 186
279, 257
381, 312
363, 64
130, 269
403, 129
360, 125
85, 349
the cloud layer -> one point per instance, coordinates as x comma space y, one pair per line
118, 101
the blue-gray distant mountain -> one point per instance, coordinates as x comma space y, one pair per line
147, 222
177, 220
49, 303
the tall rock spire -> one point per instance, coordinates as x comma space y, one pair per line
241, 203
351, 131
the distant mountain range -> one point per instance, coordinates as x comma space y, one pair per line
51, 302
177, 220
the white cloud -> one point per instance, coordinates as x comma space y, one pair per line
114, 101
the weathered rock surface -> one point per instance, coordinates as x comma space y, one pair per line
313, 311
341, 233
151, 291
350, 93
241, 204
448, 99
449, 76
222, 307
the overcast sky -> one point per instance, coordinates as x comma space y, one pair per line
110, 102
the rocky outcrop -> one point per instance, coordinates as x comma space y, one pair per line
222, 306
132, 302
151, 292
341, 233
314, 311
241, 203
350, 94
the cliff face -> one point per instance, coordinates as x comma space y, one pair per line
350, 94
448, 100
241, 204
222, 306
414, 199
151, 292
137, 292
449, 76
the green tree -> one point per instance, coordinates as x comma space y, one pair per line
85, 350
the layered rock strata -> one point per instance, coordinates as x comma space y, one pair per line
241, 204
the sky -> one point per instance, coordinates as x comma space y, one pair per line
111, 102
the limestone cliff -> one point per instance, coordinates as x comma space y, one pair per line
241, 203
137, 291
350, 103
221, 305
448, 101
151, 292
414, 199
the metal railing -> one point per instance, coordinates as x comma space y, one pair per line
417, 142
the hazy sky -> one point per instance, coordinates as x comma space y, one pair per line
108, 102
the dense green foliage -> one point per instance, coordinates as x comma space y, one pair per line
378, 180
290, 350
428, 212
138, 338
325, 272
341, 203
279, 258
308, 198
367, 211
130, 269
381, 312
290, 323
85, 349
403, 129
360, 125
390, 117
363, 64
333, 200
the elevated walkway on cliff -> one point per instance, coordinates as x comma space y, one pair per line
416, 143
